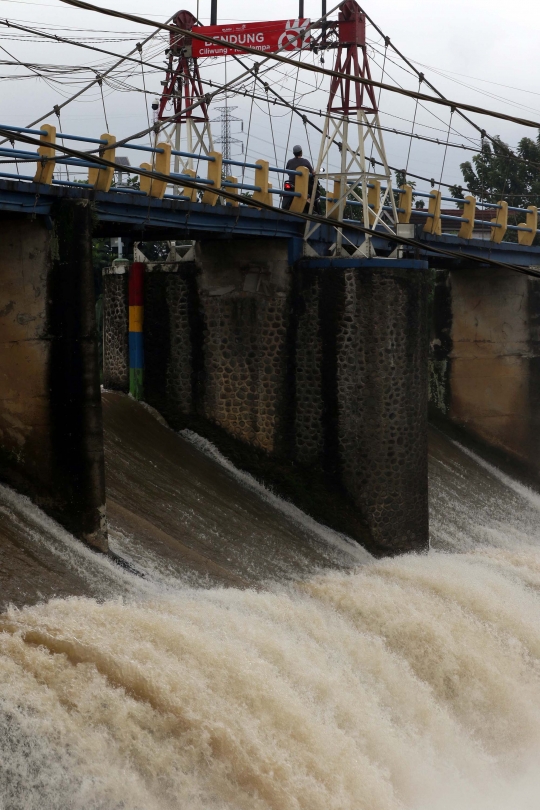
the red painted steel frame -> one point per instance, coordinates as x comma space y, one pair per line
184, 73
352, 59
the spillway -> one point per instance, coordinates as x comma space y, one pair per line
260, 661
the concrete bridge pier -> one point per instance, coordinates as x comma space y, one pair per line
310, 374
485, 362
51, 435
362, 359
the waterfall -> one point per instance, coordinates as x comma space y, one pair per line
405, 684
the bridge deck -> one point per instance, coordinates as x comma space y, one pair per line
130, 214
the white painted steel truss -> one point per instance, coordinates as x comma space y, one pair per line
199, 141
357, 181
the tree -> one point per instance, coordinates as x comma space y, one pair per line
498, 172
401, 180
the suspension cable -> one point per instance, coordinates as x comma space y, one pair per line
439, 99
249, 125
94, 81
100, 83
139, 48
292, 113
271, 127
412, 132
57, 111
459, 108
446, 148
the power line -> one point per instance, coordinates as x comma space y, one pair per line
288, 61
459, 108
92, 83
440, 99
79, 44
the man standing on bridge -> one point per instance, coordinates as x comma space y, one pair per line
293, 164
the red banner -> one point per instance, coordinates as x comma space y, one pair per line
266, 37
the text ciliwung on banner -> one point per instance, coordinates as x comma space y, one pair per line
267, 37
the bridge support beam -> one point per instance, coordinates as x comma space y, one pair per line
374, 384
51, 437
485, 362
116, 327
313, 377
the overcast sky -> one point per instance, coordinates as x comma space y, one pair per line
484, 53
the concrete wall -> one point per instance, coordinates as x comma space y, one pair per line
485, 359
314, 380
51, 440
116, 328
244, 294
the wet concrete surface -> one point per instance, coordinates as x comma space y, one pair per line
180, 518
175, 514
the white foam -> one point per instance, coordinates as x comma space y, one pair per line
104, 577
523, 491
410, 684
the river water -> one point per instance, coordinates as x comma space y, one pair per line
263, 662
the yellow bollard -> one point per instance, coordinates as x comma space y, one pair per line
469, 212
162, 164
44, 171
332, 207
187, 191
497, 234
433, 223
102, 179
302, 186
234, 203
374, 200
144, 182
405, 202
215, 169
261, 180
531, 221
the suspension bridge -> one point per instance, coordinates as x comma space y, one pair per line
290, 329
185, 202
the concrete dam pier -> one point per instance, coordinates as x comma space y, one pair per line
485, 362
310, 374
51, 435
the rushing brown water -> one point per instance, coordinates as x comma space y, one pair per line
175, 513
398, 685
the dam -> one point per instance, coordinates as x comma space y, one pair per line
269, 479
265, 674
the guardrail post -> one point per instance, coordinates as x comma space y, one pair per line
531, 221
144, 182
301, 186
187, 190
45, 170
102, 179
433, 222
234, 203
261, 180
405, 202
332, 208
162, 164
501, 220
469, 212
374, 200
215, 168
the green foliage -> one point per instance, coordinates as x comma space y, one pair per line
155, 251
102, 256
498, 172
401, 180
